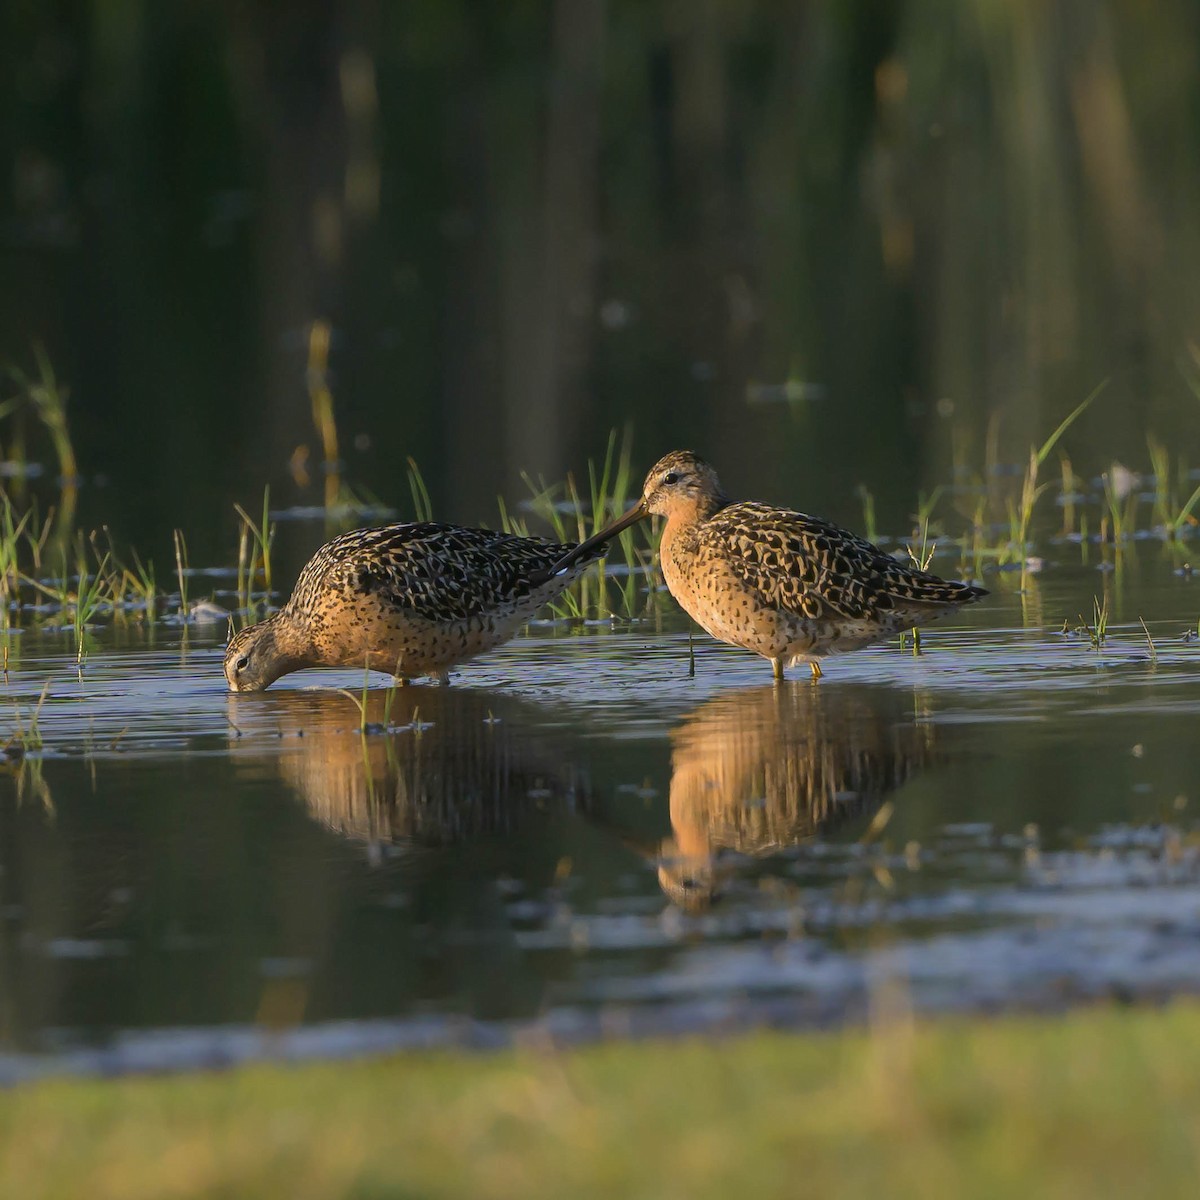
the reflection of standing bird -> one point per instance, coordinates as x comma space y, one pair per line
787, 586
411, 599
760, 770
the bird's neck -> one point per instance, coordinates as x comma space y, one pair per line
291, 638
690, 513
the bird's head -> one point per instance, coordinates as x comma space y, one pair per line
252, 658
680, 482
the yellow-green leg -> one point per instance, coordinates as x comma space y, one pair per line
777, 669
816, 669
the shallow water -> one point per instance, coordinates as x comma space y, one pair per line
581, 838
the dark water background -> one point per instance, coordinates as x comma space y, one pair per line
529, 224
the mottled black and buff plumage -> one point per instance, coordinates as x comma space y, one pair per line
411, 600
788, 586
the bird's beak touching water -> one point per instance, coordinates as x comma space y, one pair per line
635, 514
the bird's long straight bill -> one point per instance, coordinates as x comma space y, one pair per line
635, 514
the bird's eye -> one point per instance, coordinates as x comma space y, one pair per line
242, 663
670, 477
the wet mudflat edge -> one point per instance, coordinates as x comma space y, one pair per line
226, 1048
580, 841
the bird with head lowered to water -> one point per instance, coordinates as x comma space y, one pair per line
411, 599
785, 585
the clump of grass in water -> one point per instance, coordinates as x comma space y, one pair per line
122, 587
546, 502
993, 501
47, 398
37, 538
1165, 501
1184, 515
1097, 631
610, 496
570, 519
181, 569
89, 599
1021, 515
978, 543
362, 702
254, 555
10, 574
141, 584
81, 597
561, 506
1169, 516
921, 561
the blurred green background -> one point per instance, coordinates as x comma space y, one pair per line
826, 244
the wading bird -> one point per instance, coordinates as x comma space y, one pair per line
788, 586
412, 599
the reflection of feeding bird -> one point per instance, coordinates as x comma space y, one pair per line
787, 586
757, 771
412, 599
450, 765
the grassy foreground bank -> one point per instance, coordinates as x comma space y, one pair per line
1099, 1103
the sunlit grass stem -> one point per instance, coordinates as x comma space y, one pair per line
319, 339
921, 561
868, 506
1030, 489
422, 504
1184, 515
89, 598
181, 569
1165, 502
47, 398
1149, 640
254, 554
1097, 631
1068, 493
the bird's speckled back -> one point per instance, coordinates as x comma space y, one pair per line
435, 571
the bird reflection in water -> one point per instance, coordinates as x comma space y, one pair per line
761, 770
437, 766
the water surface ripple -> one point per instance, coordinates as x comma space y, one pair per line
582, 838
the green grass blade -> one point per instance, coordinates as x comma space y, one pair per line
1070, 420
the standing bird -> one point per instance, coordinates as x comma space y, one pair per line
412, 599
787, 586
